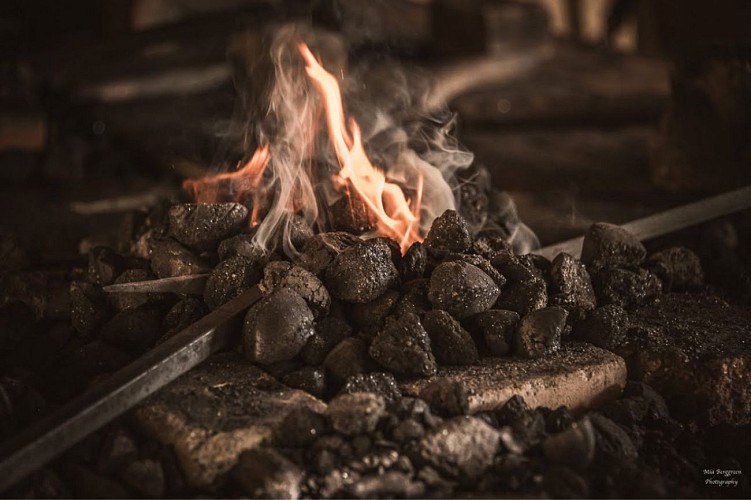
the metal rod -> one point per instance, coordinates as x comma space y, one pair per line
50, 436
668, 221
191, 284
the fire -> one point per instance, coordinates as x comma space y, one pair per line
388, 207
385, 201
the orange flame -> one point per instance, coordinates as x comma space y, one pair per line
239, 183
385, 200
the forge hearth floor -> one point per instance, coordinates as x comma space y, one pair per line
580, 376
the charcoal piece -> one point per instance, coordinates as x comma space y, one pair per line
407, 430
242, 245
451, 344
481, 263
380, 383
572, 286
350, 213
202, 226
612, 444
88, 308
524, 292
446, 397
448, 234
511, 411
310, 379
472, 198
144, 477
347, 359
403, 347
415, 409
319, 251
118, 450
169, 258
266, 473
328, 333
133, 330
657, 404
182, 315
298, 231
678, 267
362, 272
277, 327
497, 328
414, 262
17, 322
539, 265
88, 484
626, 288
230, 279
493, 247
390, 484
13, 256
279, 274
462, 447
372, 315
560, 481
539, 332
127, 300
415, 298
604, 327
299, 428
104, 266
574, 447
607, 245
558, 420
626, 411
355, 413
461, 289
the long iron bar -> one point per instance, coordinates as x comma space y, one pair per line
668, 221
50, 436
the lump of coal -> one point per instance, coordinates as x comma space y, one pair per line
182, 315
266, 473
348, 358
497, 328
604, 327
626, 288
446, 397
88, 309
145, 477
572, 285
403, 347
349, 213
229, 279
355, 413
133, 330
574, 447
381, 383
607, 245
539, 332
679, 268
448, 234
243, 245
482, 264
169, 258
328, 333
461, 289
451, 344
277, 327
612, 444
300, 427
462, 447
320, 250
104, 265
362, 272
203, 225
415, 298
311, 379
524, 292
492, 247
371, 315
279, 274
414, 261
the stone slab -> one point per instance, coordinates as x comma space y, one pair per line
215, 412
580, 376
695, 349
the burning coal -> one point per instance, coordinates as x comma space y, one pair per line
321, 143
